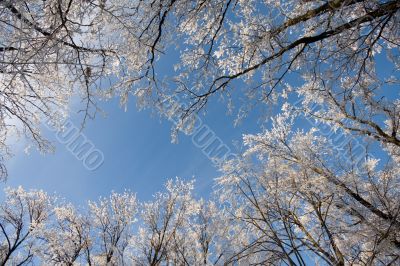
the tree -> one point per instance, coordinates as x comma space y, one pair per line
272, 211
300, 199
207, 238
178, 229
23, 215
51, 52
163, 220
66, 237
330, 45
112, 228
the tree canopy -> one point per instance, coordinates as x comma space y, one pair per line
320, 184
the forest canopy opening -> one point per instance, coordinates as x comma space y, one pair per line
320, 183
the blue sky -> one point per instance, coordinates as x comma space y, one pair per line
138, 152
138, 155
137, 148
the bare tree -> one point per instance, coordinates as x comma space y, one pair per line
334, 44
111, 222
51, 51
23, 214
161, 219
299, 196
66, 237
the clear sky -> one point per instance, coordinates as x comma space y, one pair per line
138, 152
138, 155
137, 148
